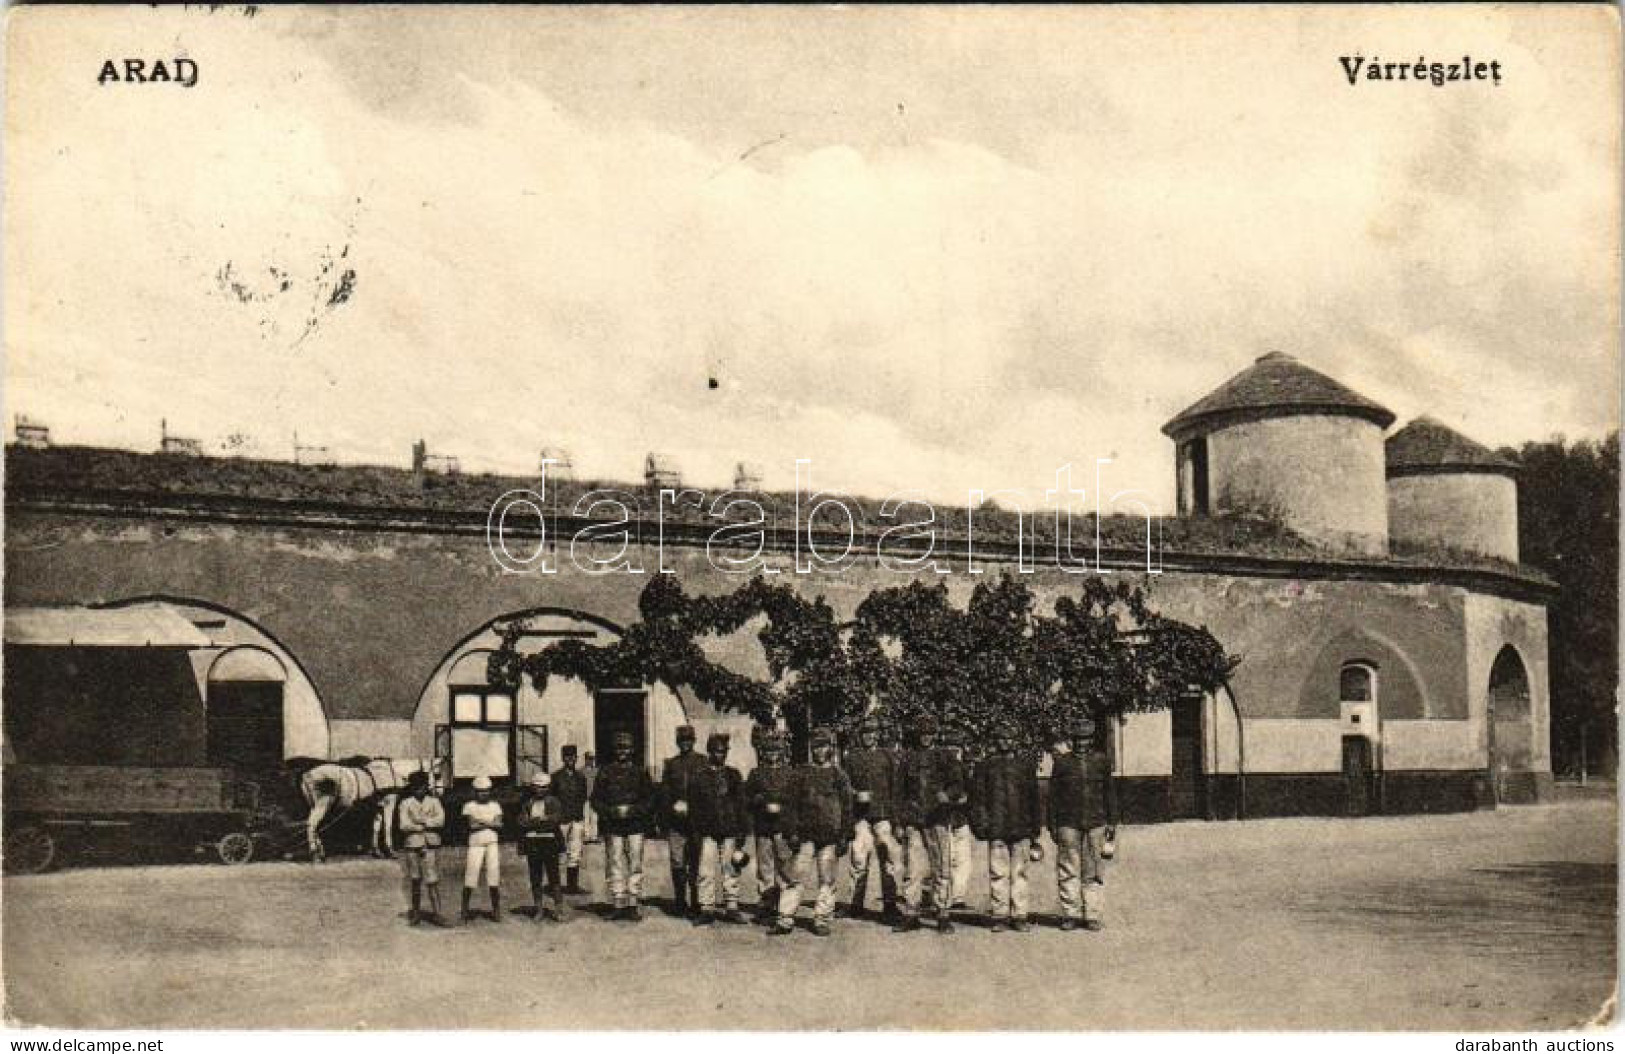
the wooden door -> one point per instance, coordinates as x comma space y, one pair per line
245, 725
1185, 792
1357, 774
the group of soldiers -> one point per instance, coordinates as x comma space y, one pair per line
913, 811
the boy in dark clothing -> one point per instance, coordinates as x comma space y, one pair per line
823, 819
624, 797
570, 787
716, 816
541, 818
1083, 817
1005, 812
770, 795
873, 772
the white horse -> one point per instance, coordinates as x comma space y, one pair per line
335, 787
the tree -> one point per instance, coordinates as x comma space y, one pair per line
1568, 526
995, 667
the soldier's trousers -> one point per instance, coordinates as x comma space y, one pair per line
916, 867
875, 839
767, 869
1007, 878
575, 835
715, 864
787, 862
962, 841
823, 868
1079, 869
623, 866
949, 850
683, 854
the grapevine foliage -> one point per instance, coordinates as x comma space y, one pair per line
995, 667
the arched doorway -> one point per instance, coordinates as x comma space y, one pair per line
482, 730
243, 701
1507, 713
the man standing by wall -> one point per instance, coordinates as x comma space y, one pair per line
717, 820
770, 795
1083, 817
675, 778
421, 818
916, 796
824, 820
1005, 812
948, 826
570, 787
873, 772
624, 797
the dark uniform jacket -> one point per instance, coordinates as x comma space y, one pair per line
716, 802
675, 777
778, 786
1004, 799
824, 804
624, 797
571, 790
874, 771
935, 789
1082, 792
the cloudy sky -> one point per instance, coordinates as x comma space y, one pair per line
928, 249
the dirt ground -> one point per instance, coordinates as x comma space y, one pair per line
1482, 921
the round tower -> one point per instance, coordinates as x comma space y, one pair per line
1445, 489
1287, 442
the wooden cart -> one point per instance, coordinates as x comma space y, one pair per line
52, 812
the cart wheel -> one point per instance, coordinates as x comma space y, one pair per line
28, 850
235, 848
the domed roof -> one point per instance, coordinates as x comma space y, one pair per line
1277, 385
1426, 446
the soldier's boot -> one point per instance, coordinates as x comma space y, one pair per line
768, 910
496, 905
536, 898
945, 921
906, 924
468, 897
556, 912
573, 881
679, 890
860, 893
413, 914
888, 897
735, 916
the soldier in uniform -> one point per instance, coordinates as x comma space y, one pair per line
947, 821
771, 798
873, 772
962, 839
541, 822
915, 790
824, 821
570, 787
421, 818
1083, 817
624, 797
716, 815
1005, 812
679, 771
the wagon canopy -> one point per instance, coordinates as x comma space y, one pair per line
140, 626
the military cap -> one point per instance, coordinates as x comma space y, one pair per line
716, 739
685, 734
823, 737
482, 783
541, 781
871, 723
1084, 727
621, 738
925, 723
418, 778
568, 750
